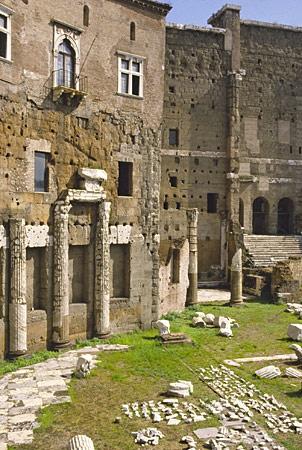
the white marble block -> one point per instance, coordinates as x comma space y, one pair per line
294, 331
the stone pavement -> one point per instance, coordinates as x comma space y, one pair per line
24, 392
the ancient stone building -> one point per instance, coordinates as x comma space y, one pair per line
232, 143
81, 95
133, 155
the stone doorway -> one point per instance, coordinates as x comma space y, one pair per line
285, 216
260, 216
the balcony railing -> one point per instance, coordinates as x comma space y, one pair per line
66, 82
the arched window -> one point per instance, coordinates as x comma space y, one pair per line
86, 16
66, 65
132, 31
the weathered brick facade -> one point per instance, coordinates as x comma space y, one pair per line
63, 257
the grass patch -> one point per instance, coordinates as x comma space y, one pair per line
11, 366
143, 372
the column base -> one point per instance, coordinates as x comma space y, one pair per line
15, 355
104, 335
237, 304
57, 346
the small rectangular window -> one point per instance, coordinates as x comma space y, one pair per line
130, 76
120, 270
173, 181
175, 265
5, 38
41, 171
173, 136
212, 200
125, 188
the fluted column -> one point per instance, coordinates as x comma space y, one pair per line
17, 306
236, 279
60, 314
192, 217
102, 272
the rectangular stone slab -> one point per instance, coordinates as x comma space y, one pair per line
206, 433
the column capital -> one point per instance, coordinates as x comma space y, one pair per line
192, 215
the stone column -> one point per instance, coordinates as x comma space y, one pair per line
60, 311
102, 272
17, 305
192, 217
236, 279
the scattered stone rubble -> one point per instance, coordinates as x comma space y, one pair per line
190, 441
241, 399
224, 324
84, 366
170, 410
24, 392
295, 308
180, 389
269, 372
294, 331
80, 442
148, 436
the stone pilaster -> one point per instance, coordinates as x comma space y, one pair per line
192, 217
60, 312
102, 272
17, 305
236, 279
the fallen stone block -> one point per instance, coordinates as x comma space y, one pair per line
198, 322
225, 329
148, 436
293, 373
180, 389
163, 326
219, 320
84, 365
206, 433
268, 372
294, 331
209, 319
298, 350
80, 442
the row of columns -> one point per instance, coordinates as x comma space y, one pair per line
60, 307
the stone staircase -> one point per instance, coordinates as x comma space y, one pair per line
266, 251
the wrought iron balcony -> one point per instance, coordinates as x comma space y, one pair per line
66, 83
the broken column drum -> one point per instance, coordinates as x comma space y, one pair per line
102, 271
17, 306
60, 327
192, 217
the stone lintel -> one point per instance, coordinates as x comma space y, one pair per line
77, 195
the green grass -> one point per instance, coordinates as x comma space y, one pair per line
11, 366
143, 372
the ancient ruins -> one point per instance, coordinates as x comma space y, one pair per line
140, 160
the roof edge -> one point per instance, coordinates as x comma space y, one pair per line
275, 25
151, 5
222, 10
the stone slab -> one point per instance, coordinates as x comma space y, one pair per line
206, 433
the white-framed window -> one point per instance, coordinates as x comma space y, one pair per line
5, 33
130, 75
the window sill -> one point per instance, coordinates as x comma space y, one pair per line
125, 196
137, 97
5, 60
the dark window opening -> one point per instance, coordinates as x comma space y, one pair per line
125, 179
172, 89
173, 181
135, 85
212, 202
178, 205
86, 16
173, 136
41, 171
3, 44
175, 265
132, 31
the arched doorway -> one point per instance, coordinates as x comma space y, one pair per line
260, 216
66, 65
285, 216
241, 212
